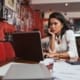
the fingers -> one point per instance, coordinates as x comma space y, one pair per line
46, 55
51, 33
49, 55
49, 30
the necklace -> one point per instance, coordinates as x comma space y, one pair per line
58, 39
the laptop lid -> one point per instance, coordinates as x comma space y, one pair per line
27, 45
23, 71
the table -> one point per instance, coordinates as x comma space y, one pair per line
22, 61
17, 60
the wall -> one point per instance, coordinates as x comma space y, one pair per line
67, 14
72, 9
52, 1
73, 14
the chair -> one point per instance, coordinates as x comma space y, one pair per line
78, 45
10, 53
2, 53
7, 52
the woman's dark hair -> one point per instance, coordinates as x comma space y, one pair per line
62, 19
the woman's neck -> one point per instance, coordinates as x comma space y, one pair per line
58, 34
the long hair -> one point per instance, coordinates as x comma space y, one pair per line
62, 19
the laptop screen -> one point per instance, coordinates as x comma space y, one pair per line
27, 45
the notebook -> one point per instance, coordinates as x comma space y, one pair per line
23, 71
27, 45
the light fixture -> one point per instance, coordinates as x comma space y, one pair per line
66, 4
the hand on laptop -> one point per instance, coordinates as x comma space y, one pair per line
44, 54
50, 55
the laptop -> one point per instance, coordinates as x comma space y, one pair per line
27, 45
22, 71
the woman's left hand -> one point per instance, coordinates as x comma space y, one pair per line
53, 55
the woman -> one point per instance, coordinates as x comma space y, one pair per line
62, 42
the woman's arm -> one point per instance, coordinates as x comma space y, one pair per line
71, 41
63, 55
72, 49
51, 42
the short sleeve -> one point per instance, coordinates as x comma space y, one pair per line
71, 41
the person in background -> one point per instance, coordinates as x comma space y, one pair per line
62, 43
5, 28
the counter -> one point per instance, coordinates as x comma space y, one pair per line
77, 34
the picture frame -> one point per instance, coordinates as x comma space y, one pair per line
11, 4
18, 10
10, 14
45, 26
5, 13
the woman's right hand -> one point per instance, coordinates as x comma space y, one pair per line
51, 33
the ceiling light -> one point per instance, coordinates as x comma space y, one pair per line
66, 4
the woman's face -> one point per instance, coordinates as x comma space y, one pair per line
55, 25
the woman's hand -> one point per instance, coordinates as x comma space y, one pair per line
51, 41
50, 32
52, 55
47, 54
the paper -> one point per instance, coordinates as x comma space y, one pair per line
47, 61
65, 71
